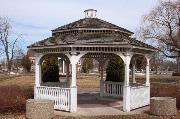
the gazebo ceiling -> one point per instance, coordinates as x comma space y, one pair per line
90, 32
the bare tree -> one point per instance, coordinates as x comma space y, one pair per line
156, 62
162, 26
8, 44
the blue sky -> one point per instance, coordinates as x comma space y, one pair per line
36, 18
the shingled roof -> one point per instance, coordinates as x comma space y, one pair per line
90, 31
91, 23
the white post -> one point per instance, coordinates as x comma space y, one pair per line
127, 62
126, 89
63, 71
73, 81
73, 99
147, 72
74, 58
37, 73
73, 88
133, 73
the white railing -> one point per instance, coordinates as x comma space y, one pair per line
55, 84
139, 96
109, 88
60, 96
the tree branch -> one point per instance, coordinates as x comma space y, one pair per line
170, 56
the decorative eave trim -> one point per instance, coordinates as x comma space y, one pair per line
98, 29
75, 45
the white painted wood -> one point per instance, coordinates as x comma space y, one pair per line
140, 96
147, 72
74, 58
133, 73
126, 98
113, 89
127, 63
73, 81
60, 96
63, 70
66, 98
38, 69
90, 13
37, 72
126, 89
73, 99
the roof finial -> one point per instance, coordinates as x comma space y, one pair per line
90, 13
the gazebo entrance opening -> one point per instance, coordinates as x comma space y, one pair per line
91, 38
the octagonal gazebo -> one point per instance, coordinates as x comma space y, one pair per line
91, 37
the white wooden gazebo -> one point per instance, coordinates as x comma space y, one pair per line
91, 37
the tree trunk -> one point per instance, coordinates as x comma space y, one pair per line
178, 45
178, 59
9, 63
178, 63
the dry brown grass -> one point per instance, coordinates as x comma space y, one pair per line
83, 82
22, 81
88, 81
28, 81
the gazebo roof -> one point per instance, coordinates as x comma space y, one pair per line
94, 23
90, 32
56, 41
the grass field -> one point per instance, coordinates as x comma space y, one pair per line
90, 82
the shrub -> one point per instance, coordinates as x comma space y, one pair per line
50, 70
26, 63
115, 70
87, 65
13, 98
176, 74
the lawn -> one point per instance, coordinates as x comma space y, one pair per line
25, 83
22, 81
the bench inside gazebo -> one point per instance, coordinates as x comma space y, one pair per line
91, 37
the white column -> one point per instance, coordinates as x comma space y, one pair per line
73, 88
126, 88
73, 99
63, 71
73, 81
74, 58
133, 73
147, 72
37, 73
127, 62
